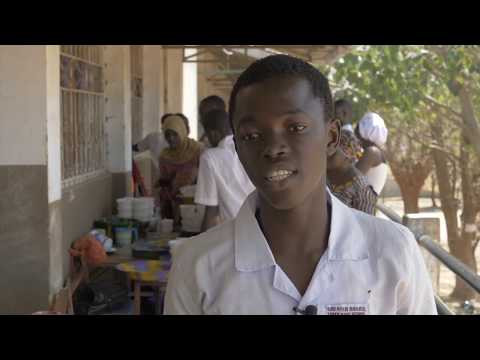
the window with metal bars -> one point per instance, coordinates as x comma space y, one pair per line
136, 71
82, 111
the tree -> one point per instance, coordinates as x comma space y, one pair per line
431, 87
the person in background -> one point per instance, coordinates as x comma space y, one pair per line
212, 102
372, 133
223, 184
344, 113
155, 143
178, 165
345, 181
293, 248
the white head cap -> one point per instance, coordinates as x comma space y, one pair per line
372, 128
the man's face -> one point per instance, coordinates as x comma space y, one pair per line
206, 108
283, 140
172, 138
344, 114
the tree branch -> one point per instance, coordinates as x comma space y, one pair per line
438, 104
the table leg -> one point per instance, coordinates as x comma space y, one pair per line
137, 298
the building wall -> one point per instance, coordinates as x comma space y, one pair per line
24, 213
82, 204
39, 219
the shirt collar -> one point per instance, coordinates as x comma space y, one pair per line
226, 142
252, 252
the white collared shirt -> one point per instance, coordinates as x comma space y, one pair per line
222, 180
371, 266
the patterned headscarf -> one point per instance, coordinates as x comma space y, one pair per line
350, 146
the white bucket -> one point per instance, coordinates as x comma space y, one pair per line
167, 226
125, 207
192, 217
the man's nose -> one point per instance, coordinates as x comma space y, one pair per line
275, 147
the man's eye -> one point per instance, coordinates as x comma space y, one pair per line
250, 137
297, 128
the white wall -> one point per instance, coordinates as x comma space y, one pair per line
23, 114
118, 108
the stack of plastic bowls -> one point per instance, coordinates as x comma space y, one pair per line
143, 208
125, 208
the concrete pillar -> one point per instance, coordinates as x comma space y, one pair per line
118, 118
30, 189
190, 93
152, 88
173, 74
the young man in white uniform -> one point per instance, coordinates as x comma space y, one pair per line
293, 248
222, 184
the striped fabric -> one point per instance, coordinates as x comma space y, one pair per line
357, 194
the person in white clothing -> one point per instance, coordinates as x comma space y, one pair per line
222, 183
372, 133
294, 248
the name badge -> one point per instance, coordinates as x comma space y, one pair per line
347, 309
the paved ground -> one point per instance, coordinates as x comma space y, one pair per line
447, 278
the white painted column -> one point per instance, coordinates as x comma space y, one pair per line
174, 80
152, 88
54, 160
118, 108
190, 93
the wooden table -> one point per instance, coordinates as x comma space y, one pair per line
135, 278
152, 273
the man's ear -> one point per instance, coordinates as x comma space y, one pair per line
333, 136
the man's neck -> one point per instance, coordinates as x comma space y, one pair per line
303, 230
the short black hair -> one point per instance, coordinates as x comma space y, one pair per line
284, 66
185, 119
342, 103
216, 120
214, 100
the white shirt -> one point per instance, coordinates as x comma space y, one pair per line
155, 142
377, 177
371, 265
222, 180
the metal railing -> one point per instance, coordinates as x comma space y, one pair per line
451, 262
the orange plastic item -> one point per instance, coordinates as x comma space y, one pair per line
90, 250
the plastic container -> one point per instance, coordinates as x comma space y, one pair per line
192, 217
125, 208
123, 236
143, 208
167, 226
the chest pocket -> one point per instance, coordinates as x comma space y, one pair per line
349, 290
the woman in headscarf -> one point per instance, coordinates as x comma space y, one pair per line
178, 165
372, 133
344, 180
